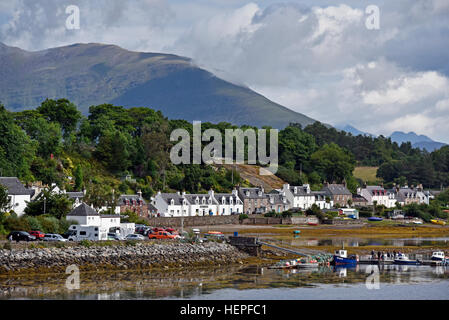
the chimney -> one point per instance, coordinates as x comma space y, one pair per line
139, 193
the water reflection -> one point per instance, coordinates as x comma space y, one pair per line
200, 283
362, 242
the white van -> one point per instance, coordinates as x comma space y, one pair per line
93, 233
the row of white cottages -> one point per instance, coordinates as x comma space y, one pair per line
243, 200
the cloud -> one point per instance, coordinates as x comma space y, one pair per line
315, 58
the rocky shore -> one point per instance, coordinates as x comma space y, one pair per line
118, 257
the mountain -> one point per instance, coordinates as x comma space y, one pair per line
92, 74
417, 141
354, 131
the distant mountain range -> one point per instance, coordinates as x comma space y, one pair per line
354, 131
417, 141
92, 74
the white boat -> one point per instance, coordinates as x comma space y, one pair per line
403, 259
438, 256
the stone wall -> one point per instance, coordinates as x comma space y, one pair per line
176, 222
121, 257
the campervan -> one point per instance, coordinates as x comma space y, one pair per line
93, 233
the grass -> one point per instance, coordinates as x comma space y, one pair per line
367, 174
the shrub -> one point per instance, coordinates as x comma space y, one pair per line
243, 216
286, 214
131, 243
270, 214
86, 243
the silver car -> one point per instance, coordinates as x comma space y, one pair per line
135, 237
54, 237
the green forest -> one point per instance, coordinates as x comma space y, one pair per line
55, 143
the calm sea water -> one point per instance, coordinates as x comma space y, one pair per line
249, 283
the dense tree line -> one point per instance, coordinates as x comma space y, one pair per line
55, 141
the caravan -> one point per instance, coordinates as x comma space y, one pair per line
93, 233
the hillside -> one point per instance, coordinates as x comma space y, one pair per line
92, 74
417, 141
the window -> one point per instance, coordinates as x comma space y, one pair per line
82, 233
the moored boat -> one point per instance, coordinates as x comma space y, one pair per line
404, 260
375, 219
438, 256
439, 222
341, 259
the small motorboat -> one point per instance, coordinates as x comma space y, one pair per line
439, 222
402, 259
375, 219
438, 256
296, 231
341, 258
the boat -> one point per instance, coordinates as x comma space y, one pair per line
296, 231
438, 256
404, 260
341, 258
440, 222
312, 223
375, 219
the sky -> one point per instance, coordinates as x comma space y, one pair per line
315, 57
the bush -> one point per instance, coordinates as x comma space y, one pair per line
286, 214
131, 243
270, 214
243, 216
86, 243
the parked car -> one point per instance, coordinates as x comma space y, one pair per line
115, 236
38, 234
135, 237
163, 235
20, 236
54, 237
157, 229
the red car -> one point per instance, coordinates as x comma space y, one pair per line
162, 235
38, 234
158, 229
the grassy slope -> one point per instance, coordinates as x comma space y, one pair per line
367, 174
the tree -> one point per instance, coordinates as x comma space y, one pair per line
333, 162
53, 204
16, 148
61, 111
5, 203
79, 181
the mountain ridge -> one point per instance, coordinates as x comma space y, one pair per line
93, 73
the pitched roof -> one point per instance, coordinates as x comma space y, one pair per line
253, 193
338, 189
83, 210
14, 186
227, 196
125, 197
172, 196
73, 195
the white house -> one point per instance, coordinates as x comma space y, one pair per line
18, 195
299, 196
377, 194
87, 216
171, 204
322, 200
203, 204
228, 203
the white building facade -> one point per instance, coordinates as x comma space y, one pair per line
18, 195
